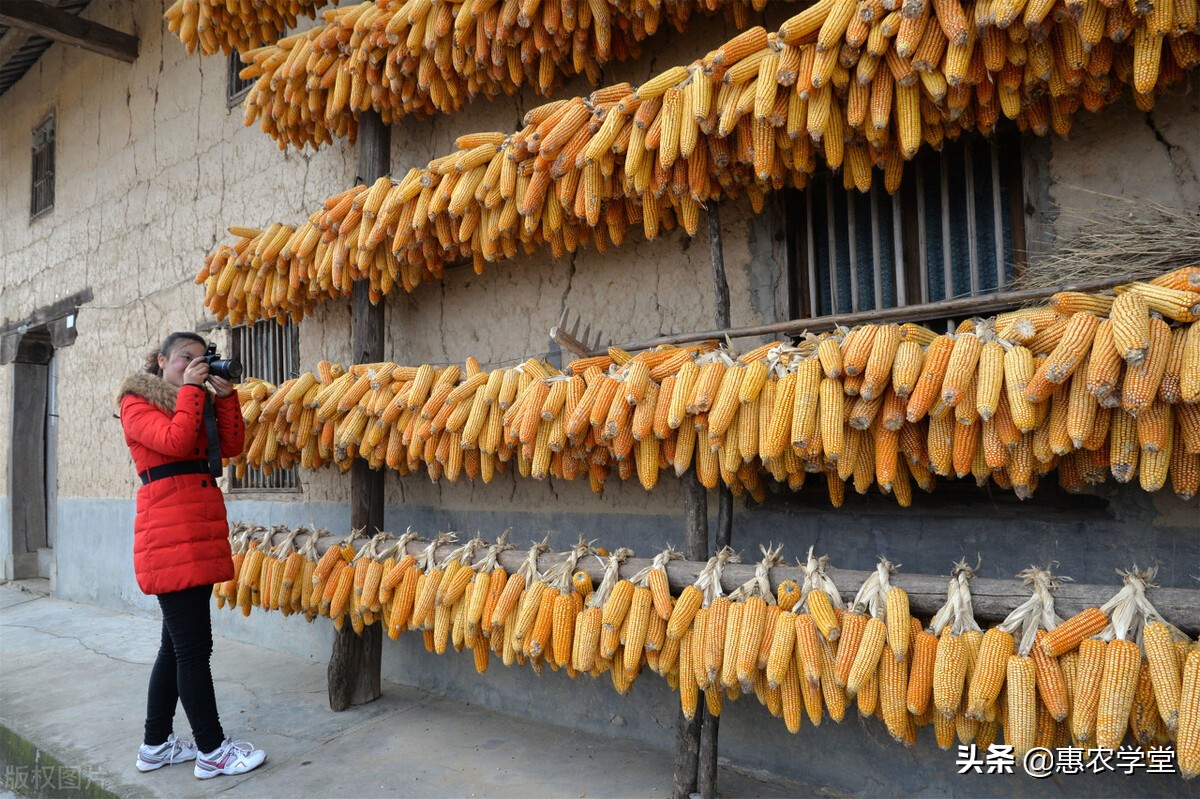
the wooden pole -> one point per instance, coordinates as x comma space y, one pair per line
973, 306
687, 734
707, 777
717, 254
355, 664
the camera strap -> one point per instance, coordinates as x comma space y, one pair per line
214, 440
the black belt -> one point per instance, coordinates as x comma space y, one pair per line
172, 469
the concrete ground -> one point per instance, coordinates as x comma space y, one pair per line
72, 700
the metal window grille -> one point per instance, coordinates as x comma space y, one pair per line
41, 195
949, 232
236, 86
269, 351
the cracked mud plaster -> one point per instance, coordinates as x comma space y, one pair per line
1123, 156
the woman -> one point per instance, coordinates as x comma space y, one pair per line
181, 545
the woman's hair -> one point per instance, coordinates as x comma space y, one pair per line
169, 344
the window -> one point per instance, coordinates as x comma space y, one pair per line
948, 232
269, 351
41, 195
236, 87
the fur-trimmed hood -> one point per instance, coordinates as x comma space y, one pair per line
152, 388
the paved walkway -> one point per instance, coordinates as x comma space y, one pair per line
72, 697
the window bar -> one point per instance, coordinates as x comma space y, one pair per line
876, 255
998, 220
832, 240
294, 339
851, 239
898, 252
251, 347
972, 240
947, 267
39, 185
922, 246
33, 184
813, 300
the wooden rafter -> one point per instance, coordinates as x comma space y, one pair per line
35, 18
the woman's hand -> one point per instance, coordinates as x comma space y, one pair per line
196, 372
223, 387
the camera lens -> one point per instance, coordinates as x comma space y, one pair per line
229, 368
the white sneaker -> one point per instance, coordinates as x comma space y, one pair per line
231, 757
174, 750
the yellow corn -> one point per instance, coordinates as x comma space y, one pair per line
866, 658
898, 621
1118, 682
988, 674
920, 678
1130, 317
1142, 380
1187, 746
1020, 726
1067, 636
949, 674
1165, 674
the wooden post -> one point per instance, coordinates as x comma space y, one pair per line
716, 253
706, 779
721, 289
707, 776
695, 548
354, 665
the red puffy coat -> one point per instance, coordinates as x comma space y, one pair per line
180, 534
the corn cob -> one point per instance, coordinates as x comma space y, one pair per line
1117, 684
1187, 745
1130, 316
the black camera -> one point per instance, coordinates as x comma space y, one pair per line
228, 368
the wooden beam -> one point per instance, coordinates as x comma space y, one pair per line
355, 664
971, 306
43, 20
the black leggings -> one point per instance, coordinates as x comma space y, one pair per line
182, 670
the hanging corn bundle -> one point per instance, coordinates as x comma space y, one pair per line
424, 58
958, 642
498, 30
1132, 687
1008, 400
851, 83
224, 25
799, 656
